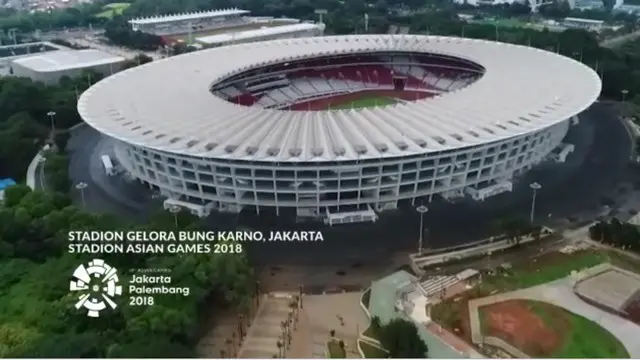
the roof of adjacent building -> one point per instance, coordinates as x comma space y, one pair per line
5, 183
586, 21
187, 16
256, 34
67, 59
167, 105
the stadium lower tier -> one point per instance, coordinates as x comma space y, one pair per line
314, 189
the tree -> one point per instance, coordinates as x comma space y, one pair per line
39, 318
401, 339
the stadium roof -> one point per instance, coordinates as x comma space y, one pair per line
187, 16
167, 105
255, 34
67, 59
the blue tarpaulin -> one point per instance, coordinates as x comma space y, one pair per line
5, 183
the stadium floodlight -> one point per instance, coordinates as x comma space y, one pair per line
320, 13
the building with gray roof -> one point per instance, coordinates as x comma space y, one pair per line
49, 67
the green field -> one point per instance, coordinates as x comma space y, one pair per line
505, 23
113, 9
365, 102
372, 352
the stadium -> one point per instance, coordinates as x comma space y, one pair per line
339, 127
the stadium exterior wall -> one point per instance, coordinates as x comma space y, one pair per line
231, 185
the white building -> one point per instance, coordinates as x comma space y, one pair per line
230, 128
51, 66
273, 33
579, 23
185, 22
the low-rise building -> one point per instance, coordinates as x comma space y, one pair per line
50, 67
270, 33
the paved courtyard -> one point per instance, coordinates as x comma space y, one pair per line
340, 312
265, 331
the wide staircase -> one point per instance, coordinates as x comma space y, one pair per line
265, 333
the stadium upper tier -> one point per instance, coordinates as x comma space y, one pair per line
507, 91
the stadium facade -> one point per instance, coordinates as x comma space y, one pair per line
339, 128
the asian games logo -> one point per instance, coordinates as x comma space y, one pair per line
98, 285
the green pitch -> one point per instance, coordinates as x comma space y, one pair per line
113, 9
364, 102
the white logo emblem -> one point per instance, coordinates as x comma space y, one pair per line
98, 283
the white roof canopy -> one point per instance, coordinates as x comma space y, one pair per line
161, 19
167, 105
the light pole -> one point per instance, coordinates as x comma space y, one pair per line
321, 13
175, 210
421, 209
52, 116
624, 93
81, 186
535, 187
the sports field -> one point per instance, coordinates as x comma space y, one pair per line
113, 9
364, 102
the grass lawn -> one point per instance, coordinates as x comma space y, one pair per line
365, 102
543, 330
335, 350
113, 9
372, 352
506, 23
544, 269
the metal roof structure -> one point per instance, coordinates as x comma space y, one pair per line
161, 19
167, 105
67, 59
256, 34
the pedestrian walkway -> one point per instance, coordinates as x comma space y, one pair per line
36, 162
266, 331
219, 342
301, 344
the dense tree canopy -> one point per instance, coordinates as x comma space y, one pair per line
24, 123
36, 311
616, 233
401, 339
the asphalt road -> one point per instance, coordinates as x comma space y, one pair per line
619, 40
84, 149
575, 190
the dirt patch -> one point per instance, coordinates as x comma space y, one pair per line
453, 314
524, 324
632, 311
